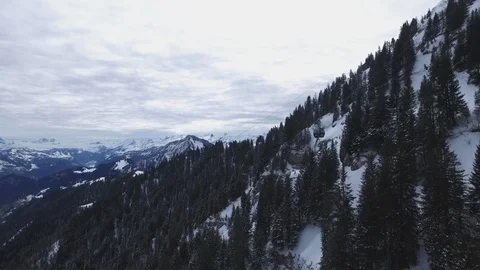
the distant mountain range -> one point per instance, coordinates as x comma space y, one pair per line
37, 158
26, 171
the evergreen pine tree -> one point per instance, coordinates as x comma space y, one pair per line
443, 205
238, 242
278, 233
304, 187
472, 220
450, 104
405, 181
289, 215
472, 48
474, 191
323, 196
339, 249
263, 220
460, 52
476, 111
368, 236
455, 15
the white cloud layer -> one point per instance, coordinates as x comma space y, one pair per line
78, 67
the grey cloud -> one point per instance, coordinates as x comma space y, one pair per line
43, 90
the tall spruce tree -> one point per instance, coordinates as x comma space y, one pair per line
474, 190
455, 14
368, 221
290, 215
450, 104
443, 208
460, 52
238, 242
405, 181
472, 49
304, 187
338, 247
472, 218
397, 177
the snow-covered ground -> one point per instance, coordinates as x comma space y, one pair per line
17, 233
119, 165
309, 245
464, 145
85, 206
137, 173
53, 251
422, 261
30, 197
225, 215
85, 170
85, 182
354, 178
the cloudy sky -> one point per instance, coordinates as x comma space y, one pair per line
147, 68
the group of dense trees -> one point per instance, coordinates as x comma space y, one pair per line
166, 219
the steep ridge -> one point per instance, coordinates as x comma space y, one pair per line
462, 141
118, 161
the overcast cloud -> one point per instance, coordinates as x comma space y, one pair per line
147, 68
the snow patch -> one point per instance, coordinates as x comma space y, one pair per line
60, 155
30, 197
196, 144
85, 170
223, 231
465, 145
309, 245
85, 206
101, 179
119, 165
468, 90
354, 178
53, 251
422, 260
16, 234
419, 70
137, 173
85, 182
79, 184
33, 167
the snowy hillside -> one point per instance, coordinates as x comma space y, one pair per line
463, 142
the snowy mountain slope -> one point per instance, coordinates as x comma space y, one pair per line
144, 158
41, 157
39, 163
463, 142
38, 159
464, 139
